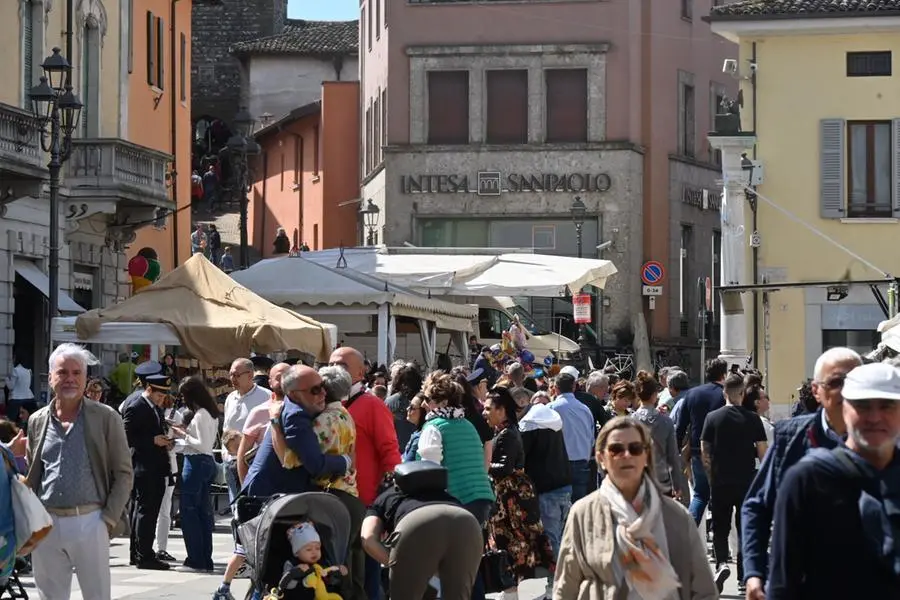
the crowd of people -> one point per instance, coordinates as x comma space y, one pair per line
468, 481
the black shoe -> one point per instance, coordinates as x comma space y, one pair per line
722, 575
165, 556
153, 564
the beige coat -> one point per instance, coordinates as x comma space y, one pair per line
584, 570
108, 451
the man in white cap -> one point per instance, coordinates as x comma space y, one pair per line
836, 513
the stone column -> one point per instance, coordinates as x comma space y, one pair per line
733, 331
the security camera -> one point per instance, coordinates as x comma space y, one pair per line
753, 67
730, 67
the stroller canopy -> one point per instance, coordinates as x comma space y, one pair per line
324, 510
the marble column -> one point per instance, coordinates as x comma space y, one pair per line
735, 242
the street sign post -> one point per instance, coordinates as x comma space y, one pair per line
652, 290
581, 308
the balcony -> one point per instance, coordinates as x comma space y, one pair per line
113, 170
22, 163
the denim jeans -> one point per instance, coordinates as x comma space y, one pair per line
232, 480
581, 475
196, 510
700, 498
555, 507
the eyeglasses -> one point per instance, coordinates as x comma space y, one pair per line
634, 448
835, 382
313, 390
236, 375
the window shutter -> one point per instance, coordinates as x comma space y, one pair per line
151, 50
831, 151
895, 179
160, 54
28, 50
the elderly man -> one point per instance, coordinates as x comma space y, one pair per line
246, 396
837, 530
80, 467
665, 396
377, 449
579, 430
793, 439
257, 422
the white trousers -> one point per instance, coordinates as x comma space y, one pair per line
164, 520
79, 543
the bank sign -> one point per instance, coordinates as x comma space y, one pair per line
494, 183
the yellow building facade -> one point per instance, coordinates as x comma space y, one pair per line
823, 96
119, 187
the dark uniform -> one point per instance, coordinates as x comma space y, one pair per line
143, 422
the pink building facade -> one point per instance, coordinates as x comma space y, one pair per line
482, 122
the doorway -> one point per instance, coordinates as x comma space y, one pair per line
29, 323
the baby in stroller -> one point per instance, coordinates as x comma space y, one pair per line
304, 569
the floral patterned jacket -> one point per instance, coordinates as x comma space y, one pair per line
337, 435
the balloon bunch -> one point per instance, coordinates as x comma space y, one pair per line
506, 352
144, 269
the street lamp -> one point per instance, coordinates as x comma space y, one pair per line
56, 110
370, 214
578, 210
241, 145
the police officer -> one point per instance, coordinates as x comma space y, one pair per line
142, 371
145, 429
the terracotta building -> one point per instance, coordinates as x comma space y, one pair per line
307, 174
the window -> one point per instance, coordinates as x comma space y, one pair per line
869, 64
182, 75
687, 9
543, 237
716, 97
369, 28
27, 51
384, 135
298, 160
129, 15
368, 158
281, 172
155, 51
448, 107
507, 106
377, 19
861, 340
869, 168
566, 105
685, 307
376, 128
362, 29
687, 124
316, 142
315, 236
90, 79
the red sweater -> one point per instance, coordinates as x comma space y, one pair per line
377, 450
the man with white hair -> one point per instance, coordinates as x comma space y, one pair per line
836, 510
80, 468
793, 439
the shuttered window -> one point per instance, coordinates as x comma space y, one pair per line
90, 81
566, 105
151, 49
831, 185
182, 75
27, 50
160, 54
507, 106
448, 107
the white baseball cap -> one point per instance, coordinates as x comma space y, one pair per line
875, 381
570, 370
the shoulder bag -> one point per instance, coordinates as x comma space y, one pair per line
33, 522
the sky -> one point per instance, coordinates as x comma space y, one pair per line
325, 10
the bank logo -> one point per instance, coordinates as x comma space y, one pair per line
489, 183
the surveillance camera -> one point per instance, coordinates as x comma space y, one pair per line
730, 66
753, 67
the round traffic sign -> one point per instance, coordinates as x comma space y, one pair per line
709, 302
652, 273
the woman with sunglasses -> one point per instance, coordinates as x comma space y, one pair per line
415, 414
516, 525
628, 540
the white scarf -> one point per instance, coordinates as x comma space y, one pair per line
641, 556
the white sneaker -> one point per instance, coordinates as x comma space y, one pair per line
722, 575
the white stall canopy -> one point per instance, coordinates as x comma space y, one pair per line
505, 274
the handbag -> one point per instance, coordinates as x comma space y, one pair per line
495, 572
33, 522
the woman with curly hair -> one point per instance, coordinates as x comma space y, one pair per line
405, 384
622, 398
516, 526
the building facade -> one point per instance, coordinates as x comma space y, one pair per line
830, 201
284, 71
112, 185
477, 135
306, 176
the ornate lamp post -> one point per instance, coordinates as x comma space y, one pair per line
56, 111
578, 210
370, 214
241, 145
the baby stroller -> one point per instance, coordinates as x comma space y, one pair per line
266, 544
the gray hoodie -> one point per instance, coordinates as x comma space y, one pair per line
668, 468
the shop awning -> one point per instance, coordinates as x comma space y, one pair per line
30, 273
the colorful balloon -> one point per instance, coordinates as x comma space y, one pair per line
153, 270
139, 283
137, 266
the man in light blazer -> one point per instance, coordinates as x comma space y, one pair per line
80, 468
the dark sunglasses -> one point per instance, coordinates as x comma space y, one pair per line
634, 449
314, 390
835, 382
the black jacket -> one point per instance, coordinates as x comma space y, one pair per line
142, 423
508, 454
546, 460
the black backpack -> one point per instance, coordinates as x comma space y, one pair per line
420, 476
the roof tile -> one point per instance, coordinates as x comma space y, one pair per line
756, 9
301, 37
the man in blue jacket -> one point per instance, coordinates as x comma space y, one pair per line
793, 439
699, 402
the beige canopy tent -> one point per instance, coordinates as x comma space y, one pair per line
215, 318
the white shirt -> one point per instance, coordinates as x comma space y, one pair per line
237, 409
200, 437
19, 384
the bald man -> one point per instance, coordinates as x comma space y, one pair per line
245, 397
258, 420
377, 449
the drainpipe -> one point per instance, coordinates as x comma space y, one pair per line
755, 250
174, 94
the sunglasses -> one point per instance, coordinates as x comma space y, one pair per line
314, 390
835, 382
634, 448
